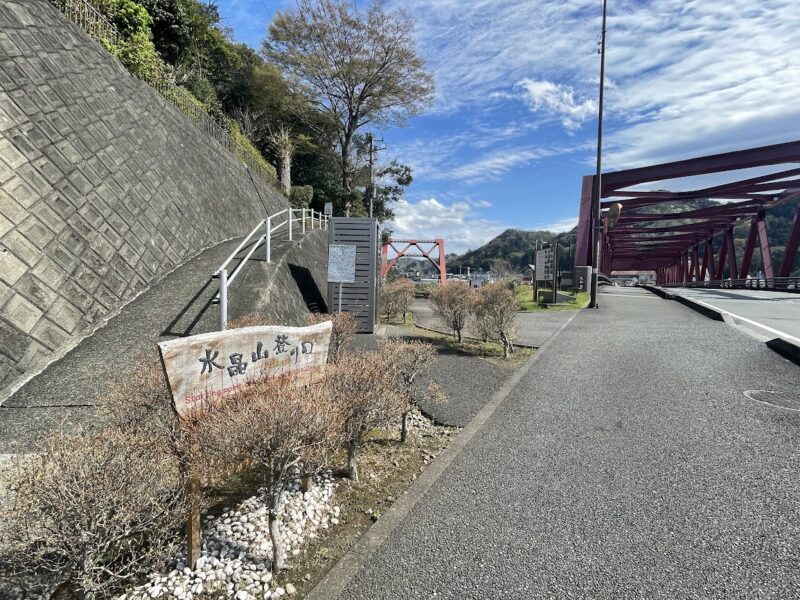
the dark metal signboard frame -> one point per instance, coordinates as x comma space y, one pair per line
359, 297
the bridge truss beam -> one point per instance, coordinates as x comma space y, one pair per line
671, 242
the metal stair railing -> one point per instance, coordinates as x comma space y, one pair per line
307, 215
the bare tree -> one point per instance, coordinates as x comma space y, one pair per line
280, 138
502, 268
452, 302
409, 359
96, 509
342, 333
282, 427
496, 308
396, 297
364, 386
358, 66
250, 121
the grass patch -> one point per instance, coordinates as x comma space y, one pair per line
524, 297
491, 350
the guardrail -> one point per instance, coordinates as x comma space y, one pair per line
783, 284
308, 217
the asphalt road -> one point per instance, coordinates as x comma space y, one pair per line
627, 463
780, 311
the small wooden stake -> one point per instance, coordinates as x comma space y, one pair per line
193, 523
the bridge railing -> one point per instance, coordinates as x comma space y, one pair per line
272, 226
783, 284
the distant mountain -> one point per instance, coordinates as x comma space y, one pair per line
514, 245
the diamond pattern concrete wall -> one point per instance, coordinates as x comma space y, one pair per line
104, 187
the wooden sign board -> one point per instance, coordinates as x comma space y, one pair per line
341, 263
204, 369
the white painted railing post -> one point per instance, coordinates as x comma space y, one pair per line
304, 221
291, 210
312, 219
268, 239
223, 299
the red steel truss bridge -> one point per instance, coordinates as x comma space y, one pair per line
414, 248
695, 246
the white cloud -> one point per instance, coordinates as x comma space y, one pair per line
685, 77
492, 166
458, 223
557, 100
560, 226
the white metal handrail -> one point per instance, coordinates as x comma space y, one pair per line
225, 279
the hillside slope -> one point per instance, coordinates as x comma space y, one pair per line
104, 187
514, 245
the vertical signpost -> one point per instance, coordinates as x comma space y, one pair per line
341, 266
555, 272
544, 265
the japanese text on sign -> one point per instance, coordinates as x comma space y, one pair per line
205, 368
544, 264
341, 263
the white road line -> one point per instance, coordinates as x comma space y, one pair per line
736, 317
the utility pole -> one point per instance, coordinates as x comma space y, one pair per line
597, 198
371, 172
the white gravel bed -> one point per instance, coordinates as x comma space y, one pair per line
237, 551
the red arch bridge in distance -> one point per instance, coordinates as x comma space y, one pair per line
678, 219
414, 248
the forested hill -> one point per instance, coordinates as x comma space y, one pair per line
514, 245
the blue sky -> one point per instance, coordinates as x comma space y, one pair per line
513, 127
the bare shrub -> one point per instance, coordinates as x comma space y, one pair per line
364, 387
343, 332
452, 302
496, 311
96, 509
408, 359
397, 296
279, 426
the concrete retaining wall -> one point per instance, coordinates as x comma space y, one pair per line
104, 187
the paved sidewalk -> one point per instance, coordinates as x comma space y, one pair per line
533, 328
626, 463
64, 394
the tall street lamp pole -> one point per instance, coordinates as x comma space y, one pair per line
597, 197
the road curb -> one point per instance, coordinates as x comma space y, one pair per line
786, 349
337, 579
707, 311
704, 310
789, 350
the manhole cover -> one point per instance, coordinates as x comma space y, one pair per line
787, 400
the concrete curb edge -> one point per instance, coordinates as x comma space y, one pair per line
337, 579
